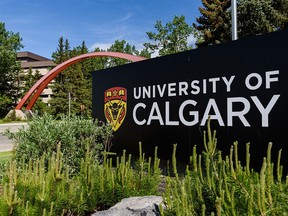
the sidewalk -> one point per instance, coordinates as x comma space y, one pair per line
5, 143
13, 127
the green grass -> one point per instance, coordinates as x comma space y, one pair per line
5, 156
3, 121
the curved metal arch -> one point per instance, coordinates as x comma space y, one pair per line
41, 84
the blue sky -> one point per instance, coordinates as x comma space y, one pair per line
97, 22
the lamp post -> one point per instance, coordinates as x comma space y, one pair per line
234, 19
69, 104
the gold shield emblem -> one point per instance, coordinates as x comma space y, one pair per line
115, 106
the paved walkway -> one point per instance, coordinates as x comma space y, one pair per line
5, 143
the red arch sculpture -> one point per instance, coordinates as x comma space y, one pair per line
40, 85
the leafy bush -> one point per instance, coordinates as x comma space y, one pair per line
75, 134
222, 186
30, 189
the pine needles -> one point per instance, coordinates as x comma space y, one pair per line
222, 186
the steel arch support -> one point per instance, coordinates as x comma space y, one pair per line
41, 84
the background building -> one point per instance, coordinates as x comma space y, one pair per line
36, 63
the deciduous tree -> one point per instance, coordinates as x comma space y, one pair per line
171, 37
10, 43
123, 47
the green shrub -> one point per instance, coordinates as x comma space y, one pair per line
107, 184
75, 134
30, 189
223, 186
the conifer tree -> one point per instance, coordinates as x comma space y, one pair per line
75, 81
85, 65
59, 102
63, 51
260, 16
81, 83
254, 17
214, 23
282, 7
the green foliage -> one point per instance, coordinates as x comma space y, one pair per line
31, 189
261, 16
10, 43
282, 7
214, 23
5, 156
75, 134
120, 46
171, 38
76, 80
110, 183
4, 160
223, 186
254, 17
212, 185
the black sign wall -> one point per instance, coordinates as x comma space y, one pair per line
241, 85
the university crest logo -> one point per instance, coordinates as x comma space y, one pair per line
115, 106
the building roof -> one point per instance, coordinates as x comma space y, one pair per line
31, 56
39, 64
32, 60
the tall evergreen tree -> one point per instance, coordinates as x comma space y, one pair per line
282, 7
258, 17
254, 17
81, 83
10, 69
62, 54
74, 82
59, 101
171, 37
85, 66
63, 51
214, 24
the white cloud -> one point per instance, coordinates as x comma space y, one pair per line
125, 18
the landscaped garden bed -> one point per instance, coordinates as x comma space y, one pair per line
65, 168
